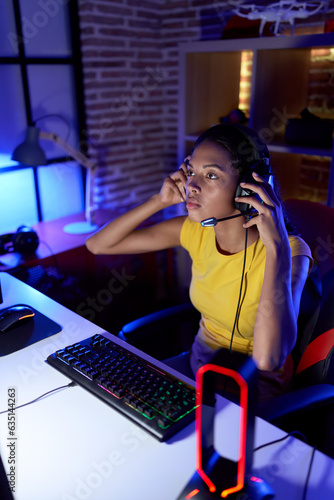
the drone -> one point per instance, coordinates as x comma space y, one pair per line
284, 11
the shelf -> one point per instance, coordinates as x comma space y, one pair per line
300, 150
281, 147
260, 43
279, 81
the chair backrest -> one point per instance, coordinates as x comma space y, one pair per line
164, 333
314, 352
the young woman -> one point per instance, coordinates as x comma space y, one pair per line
247, 289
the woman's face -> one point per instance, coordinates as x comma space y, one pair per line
211, 183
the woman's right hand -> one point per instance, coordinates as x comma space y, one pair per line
173, 190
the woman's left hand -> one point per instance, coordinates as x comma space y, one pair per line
270, 220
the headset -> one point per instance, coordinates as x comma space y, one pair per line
254, 157
25, 241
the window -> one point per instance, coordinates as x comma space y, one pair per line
41, 84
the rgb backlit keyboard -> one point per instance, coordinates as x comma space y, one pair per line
157, 401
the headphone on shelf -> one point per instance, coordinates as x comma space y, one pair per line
25, 241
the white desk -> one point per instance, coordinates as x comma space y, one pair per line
71, 446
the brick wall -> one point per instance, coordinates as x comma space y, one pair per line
130, 59
121, 50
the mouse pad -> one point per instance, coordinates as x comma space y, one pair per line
37, 328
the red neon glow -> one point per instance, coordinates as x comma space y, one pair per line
242, 428
191, 494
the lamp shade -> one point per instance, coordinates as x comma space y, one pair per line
30, 152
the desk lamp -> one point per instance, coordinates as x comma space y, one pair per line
217, 476
31, 153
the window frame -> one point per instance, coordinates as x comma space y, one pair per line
75, 61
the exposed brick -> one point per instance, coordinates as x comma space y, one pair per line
100, 42
113, 10
149, 55
154, 5
148, 24
174, 4
123, 33
87, 30
117, 74
140, 44
130, 59
98, 84
101, 20
85, 6
99, 64
174, 25
149, 14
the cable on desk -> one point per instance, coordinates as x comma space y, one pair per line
308, 474
71, 384
293, 433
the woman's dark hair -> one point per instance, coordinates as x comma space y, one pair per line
248, 153
246, 148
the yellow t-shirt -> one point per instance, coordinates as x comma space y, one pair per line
215, 285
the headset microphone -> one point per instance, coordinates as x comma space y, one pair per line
212, 221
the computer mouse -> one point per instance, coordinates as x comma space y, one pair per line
14, 316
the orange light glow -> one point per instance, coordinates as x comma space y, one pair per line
27, 316
191, 494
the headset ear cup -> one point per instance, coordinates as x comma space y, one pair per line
25, 241
244, 208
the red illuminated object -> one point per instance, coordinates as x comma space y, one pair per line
216, 476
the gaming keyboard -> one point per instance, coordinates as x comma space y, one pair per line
157, 401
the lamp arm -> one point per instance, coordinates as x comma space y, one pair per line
85, 162
75, 153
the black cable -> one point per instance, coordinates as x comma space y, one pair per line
292, 433
238, 306
240, 291
71, 384
308, 474
311, 461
